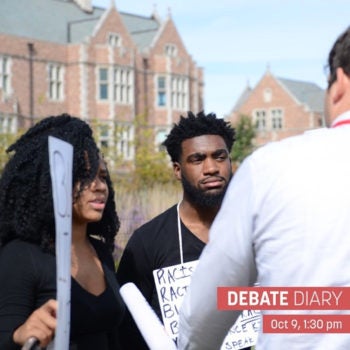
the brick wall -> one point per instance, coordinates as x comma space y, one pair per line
81, 62
297, 117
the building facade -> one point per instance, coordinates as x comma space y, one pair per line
98, 64
280, 107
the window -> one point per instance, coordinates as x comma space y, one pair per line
267, 95
161, 86
116, 140
179, 92
104, 135
55, 82
161, 135
170, 50
260, 119
5, 74
125, 138
123, 85
276, 119
8, 123
103, 83
114, 40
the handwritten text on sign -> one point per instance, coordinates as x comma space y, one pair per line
171, 284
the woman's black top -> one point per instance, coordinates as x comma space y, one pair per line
28, 280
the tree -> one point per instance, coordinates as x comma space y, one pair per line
245, 134
5, 141
152, 165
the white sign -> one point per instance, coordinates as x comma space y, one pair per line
244, 332
171, 284
61, 160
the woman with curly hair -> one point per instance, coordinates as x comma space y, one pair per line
27, 242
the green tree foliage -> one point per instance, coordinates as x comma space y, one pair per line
152, 165
5, 141
108, 135
245, 134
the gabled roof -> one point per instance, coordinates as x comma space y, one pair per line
142, 29
46, 20
58, 20
243, 97
306, 93
303, 92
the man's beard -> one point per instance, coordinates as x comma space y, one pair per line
201, 198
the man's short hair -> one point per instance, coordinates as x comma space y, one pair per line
339, 56
197, 125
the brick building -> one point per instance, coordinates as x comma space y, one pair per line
97, 64
280, 107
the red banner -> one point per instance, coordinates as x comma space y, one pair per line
283, 298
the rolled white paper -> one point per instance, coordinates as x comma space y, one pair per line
61, 169
146, 319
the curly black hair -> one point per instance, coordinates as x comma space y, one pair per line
26, 202
197, 125
339, 56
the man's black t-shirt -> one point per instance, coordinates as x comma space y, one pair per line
154, 245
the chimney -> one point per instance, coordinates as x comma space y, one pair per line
85, 5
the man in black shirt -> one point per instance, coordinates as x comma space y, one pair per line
199, 147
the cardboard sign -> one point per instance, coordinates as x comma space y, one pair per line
61, 160
244, 332
171, 284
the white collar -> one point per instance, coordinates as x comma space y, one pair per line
342, 118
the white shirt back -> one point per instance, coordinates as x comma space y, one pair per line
285, 221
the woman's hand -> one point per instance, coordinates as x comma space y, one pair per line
41, 324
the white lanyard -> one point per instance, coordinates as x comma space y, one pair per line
179, 233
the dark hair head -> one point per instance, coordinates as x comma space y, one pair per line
339, 56
26, 204
197, 125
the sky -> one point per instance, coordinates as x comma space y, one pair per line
236, 41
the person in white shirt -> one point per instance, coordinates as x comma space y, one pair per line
284, 221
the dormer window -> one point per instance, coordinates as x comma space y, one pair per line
170, 50
114, 40
267, 95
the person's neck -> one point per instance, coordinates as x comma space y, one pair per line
197, 219
193, 212
79, 236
